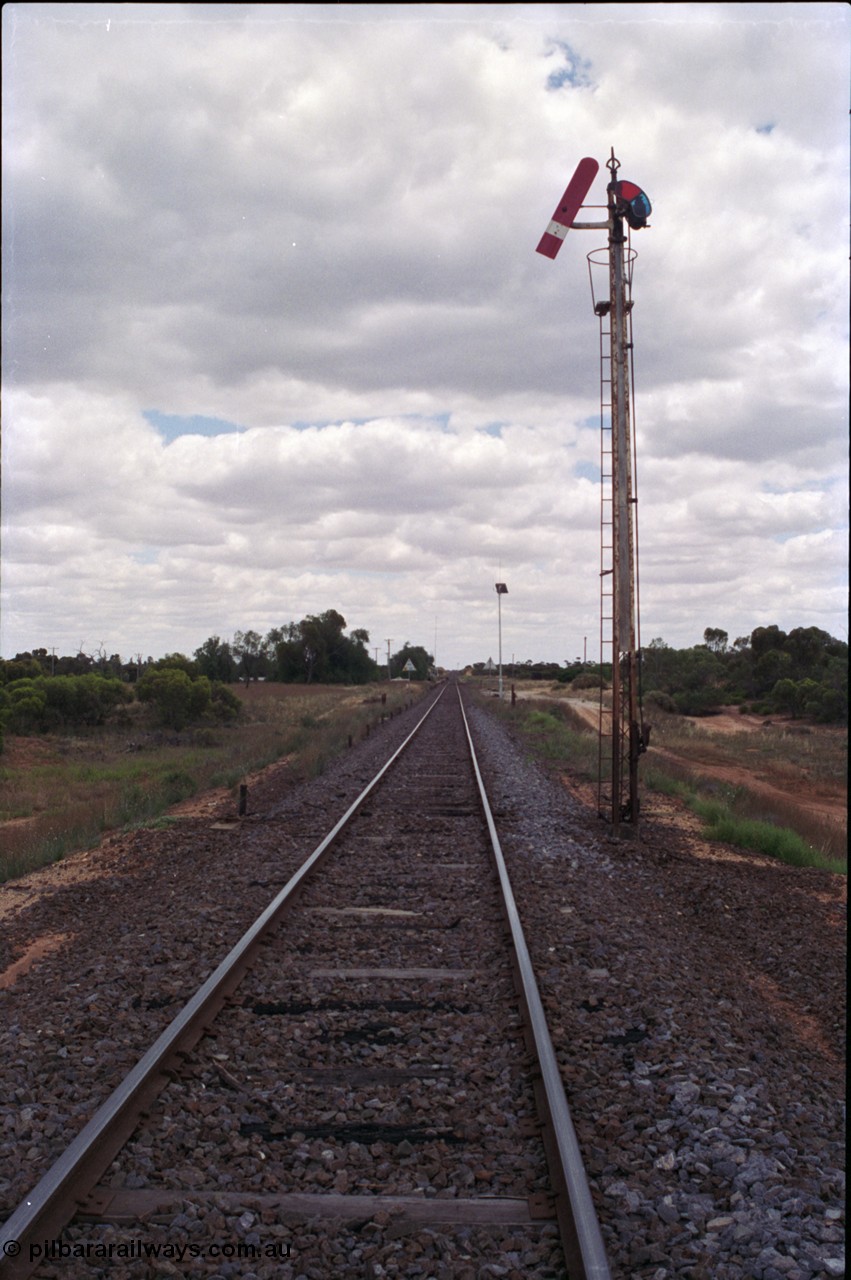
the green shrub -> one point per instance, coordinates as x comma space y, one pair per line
83, 701
698, 702
544, 721
225, 704
206, 737
587, 682
177, 698
24, 706
177, 785
663, 701
60, 702
763, 837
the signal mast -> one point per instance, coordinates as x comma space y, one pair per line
621, 736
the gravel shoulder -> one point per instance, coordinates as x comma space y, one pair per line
697, 998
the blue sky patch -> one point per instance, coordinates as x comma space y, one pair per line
588, 471
328, 422
145, 555
575, 70
439, 419
173, 425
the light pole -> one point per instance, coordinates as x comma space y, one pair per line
501, 590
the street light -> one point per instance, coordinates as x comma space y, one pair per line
501, 590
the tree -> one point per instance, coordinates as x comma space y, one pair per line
700, 681
657, 665
785, 696
694, 677
179, 662
765, 638
356, 666
107, 666
771, 665
322, 642
715, 639
214, 659
809, 649
21, 667
250, 649
317, 649
421, 659
286, 645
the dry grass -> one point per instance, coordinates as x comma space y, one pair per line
818, 752
784, 773
765, 778
63, 794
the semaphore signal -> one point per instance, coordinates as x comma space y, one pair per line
568, 207
622, 734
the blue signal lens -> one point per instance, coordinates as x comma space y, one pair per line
640, 206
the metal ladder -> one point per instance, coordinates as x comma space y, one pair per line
604, 735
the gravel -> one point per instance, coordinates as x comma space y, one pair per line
695, 998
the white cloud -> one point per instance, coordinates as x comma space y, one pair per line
319, 224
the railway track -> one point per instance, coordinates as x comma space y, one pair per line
364, 1086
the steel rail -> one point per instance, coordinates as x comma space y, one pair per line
580, 1230
52, 1202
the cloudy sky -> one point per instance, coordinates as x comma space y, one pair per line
277, 339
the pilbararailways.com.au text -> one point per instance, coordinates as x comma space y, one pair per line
127, 1250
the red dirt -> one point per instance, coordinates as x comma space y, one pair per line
773, 781
41, 947
793, 791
